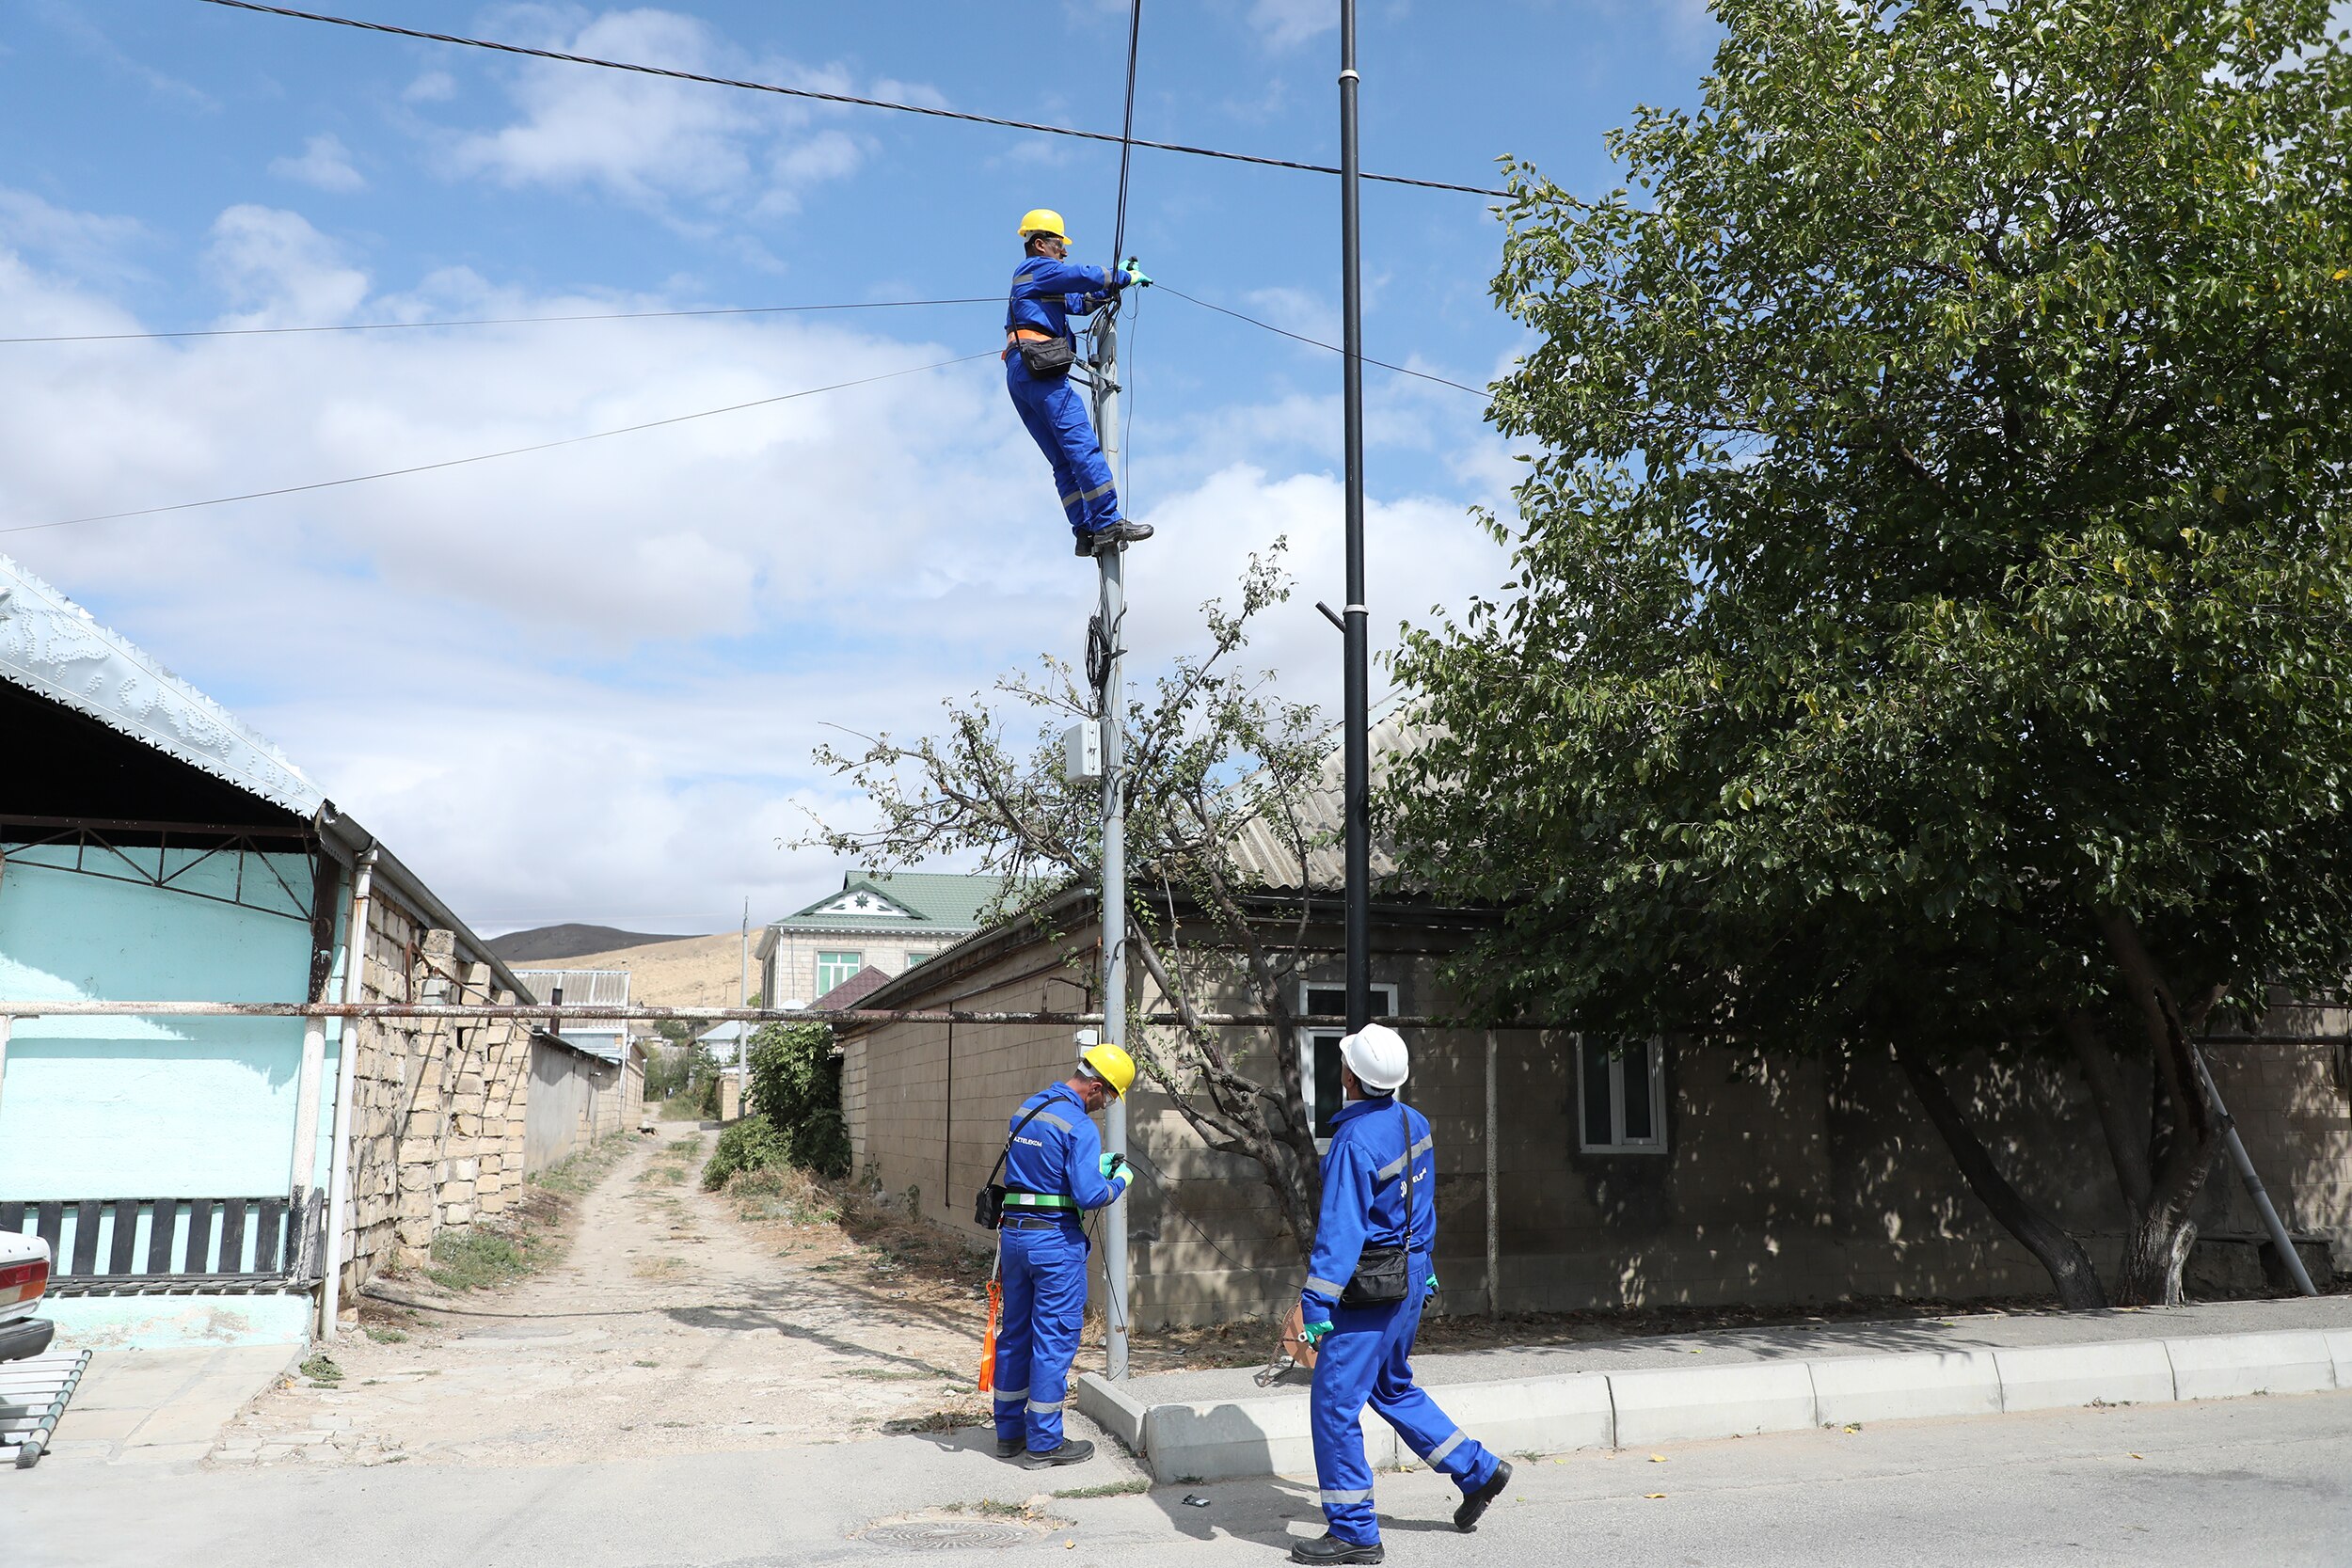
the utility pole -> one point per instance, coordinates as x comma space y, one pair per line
1110, 693
1356, 799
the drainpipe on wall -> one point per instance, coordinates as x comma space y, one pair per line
346, 1075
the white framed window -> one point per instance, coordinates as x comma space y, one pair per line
918, 954
833, 968
1621, 1096
1319, 1050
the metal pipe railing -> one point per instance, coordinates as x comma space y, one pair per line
638, 1012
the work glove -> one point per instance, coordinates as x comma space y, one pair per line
1134, 276
1315, 1334
1433, 1282
1112, 1165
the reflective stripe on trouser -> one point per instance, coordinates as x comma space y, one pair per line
1366, 1359
1045, 1276
1056, 419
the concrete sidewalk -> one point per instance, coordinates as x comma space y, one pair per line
165, 1406
1630, 1393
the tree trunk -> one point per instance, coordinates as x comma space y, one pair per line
2155, 1250
2125, 1148
2070, 1266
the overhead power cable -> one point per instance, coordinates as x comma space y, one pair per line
1317, 342
828, 97
497, 321
493, 456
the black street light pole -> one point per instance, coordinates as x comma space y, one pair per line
1357, 792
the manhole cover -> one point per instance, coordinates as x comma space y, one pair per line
946, 1535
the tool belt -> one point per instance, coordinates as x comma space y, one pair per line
1047, 357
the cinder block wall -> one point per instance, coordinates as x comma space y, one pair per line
1782, 1180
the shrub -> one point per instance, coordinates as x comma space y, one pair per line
795, 1086
750, 1144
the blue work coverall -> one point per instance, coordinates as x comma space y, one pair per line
1365, 1355
1045, 295
1053, 1172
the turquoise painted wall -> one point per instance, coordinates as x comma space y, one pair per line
111, 1107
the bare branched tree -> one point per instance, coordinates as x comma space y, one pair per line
1211, 752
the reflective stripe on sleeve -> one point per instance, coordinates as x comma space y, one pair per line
1438, 1454
1324, 1287
1396, 1166
1048, 1116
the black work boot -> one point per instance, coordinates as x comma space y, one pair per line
1124, 532
1085, 543
1474, 1503
1010, 1447
1069, 1453
1331, 1548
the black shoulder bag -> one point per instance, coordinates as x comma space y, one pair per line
1383, 1274
1051, 359
988, 1210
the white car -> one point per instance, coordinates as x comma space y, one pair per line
24, 1279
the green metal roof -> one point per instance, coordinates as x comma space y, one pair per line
899, 901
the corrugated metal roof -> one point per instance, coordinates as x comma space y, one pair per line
582, 988
1268, 857
51, 646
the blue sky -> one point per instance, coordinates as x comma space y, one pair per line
585, 683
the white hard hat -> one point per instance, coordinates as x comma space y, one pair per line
1375, 1054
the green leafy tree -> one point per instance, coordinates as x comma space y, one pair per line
1931, 616
1212, 754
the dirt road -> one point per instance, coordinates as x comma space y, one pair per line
670, 1327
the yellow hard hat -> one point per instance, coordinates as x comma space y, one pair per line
1108, 1062
1043, 220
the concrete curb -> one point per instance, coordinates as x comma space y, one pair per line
1225, 1440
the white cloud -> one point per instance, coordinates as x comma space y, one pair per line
585, 683
434, 87
86, 244
280, 270
326, 164
1286, 24
659, 143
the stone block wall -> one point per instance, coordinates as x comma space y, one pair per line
439, 1106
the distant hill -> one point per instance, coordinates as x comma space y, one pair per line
544, 944
682, 971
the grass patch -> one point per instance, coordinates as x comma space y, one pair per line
990, 1508
644, 1363
685, 1145
478, 1258
323, 1371
667, 1176
656, 1268
578, 1172
878, 1374
387, 1335
1132, 1486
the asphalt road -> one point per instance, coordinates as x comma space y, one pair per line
2263, 1482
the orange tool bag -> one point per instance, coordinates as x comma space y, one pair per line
988, 1341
